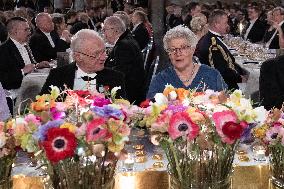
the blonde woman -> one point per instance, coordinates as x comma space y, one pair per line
198, 25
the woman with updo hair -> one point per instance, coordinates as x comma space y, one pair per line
199, 25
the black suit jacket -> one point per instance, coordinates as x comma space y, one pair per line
11, 63
26, 3
257, 31
231, 76
141, 35
65, 75
275, 41
42, 49
126, 57
271, 83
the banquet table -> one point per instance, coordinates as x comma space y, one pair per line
249, 174
31, 86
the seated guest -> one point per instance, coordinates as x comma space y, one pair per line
198, 25
4, 109
180, 42
125, 57
124, 17
276, 38
60, 28
255, 29
211, 50
71, 18
87, 72
45, 42
82, 23
139, 31
16, 58
271, 83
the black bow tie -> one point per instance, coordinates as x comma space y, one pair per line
87, 78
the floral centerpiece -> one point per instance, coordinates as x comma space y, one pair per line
199, 132
77, 135
271, 134
7, 155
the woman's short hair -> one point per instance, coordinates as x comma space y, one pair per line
124, 17
180, 32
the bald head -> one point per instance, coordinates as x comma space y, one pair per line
44, 22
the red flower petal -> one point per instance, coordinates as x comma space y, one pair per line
145, 103
96, 131
181, 124
232, 130
60, 144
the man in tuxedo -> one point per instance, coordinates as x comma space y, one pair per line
125, 57
255, 29
271, 83
211, 50
139, 31
16, 59
45, 42
88, 71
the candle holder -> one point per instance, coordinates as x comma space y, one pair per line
128, 163
259, 152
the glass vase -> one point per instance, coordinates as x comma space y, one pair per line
193, 167
5, 171
220, 184
83, 173
277, 165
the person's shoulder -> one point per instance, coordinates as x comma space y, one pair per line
111, 73
63, 69
207, 70
167, 72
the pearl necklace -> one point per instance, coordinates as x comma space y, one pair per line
190, 76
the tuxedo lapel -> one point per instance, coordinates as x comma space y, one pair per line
16, 53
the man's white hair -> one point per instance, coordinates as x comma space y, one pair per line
115, 22
82, 36
180, 32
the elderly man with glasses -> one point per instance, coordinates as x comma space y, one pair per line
88, 71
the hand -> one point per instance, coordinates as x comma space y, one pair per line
43, 64
28, 68
66, 35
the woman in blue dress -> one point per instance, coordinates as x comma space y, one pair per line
184, 72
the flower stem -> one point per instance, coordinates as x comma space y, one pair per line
176, 161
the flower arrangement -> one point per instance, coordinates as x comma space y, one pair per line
77, 135
199, 132
271, 135
7, 155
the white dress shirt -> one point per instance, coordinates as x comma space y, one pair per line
80, 84
49, 39
23, 51
249, 28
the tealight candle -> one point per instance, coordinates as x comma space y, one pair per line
129, 162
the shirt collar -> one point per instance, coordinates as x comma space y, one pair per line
80, 73
215, 33
135, 26
17, 43
280, 24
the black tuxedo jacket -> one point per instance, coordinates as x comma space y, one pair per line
11, 63
141, 35
257, 31
271, 83
275, 41
231, 76
126, 57
65, 75
42, 49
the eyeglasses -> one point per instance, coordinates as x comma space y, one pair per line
98, 54
182, 50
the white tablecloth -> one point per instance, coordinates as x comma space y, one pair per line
252, 85
31, 86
